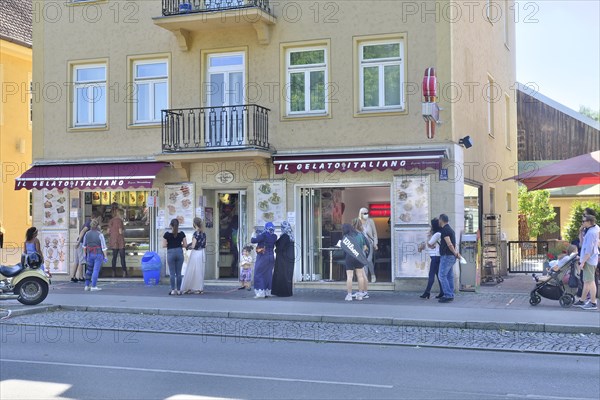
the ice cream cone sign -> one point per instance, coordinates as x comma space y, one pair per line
430, 107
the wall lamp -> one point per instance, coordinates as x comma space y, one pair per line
466, 141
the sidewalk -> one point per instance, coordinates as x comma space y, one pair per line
503, 306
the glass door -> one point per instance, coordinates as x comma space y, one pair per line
225, 98
232, 231
311, 229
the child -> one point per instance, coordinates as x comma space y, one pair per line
563, 258
246, 264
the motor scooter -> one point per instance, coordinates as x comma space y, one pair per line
25, 282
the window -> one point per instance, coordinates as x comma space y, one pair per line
508, 202
381, 75
507, 120
89, 105
150, 91
306, 81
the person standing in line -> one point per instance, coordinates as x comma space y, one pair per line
246, 266
448, 256
283, 274
116, 240
367, 249
355, 261
175, 241
370, 232
588, 259
193, 280
433, 249
582, 231
95, 247
265, 261
80, 261
1, 236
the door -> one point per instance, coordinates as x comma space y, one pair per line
232, 231
225, 116
311, 230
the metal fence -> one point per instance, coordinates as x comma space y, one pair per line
178, 7
214, 128
527, 256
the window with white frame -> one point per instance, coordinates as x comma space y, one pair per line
89, 105
381, 74
150, 90
306, 81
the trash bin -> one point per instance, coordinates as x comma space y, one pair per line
151, 265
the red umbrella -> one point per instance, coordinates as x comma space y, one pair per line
576, 171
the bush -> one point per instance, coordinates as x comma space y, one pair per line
572, 229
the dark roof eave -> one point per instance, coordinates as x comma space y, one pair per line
16, 41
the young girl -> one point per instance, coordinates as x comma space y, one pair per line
246, 265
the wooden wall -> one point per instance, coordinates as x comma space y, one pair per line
545, 133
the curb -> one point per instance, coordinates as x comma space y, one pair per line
440, 324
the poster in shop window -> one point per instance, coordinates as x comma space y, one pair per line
269, 202
179, 203
55, 214
409, 261
54, 248
411, 200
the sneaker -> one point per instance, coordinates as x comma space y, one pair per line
579, 304
95, 289
590, 306
87, 288
74, 280
365, 295
373, 279
348, 297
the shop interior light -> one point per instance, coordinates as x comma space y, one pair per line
379, 210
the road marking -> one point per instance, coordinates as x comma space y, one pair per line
264, 378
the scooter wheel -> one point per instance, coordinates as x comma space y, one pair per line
31, 291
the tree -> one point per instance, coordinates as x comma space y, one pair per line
588, 112
535, 206
572, 229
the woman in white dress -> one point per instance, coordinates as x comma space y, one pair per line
193, 280
370, 232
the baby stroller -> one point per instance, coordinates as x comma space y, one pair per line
552, 286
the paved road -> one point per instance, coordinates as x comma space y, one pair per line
168, 366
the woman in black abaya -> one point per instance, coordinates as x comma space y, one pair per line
284, 262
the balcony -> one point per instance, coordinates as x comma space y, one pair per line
226, 128
186, 17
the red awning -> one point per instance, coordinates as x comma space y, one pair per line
90, 176
359, 161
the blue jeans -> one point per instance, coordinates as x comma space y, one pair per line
92, 269
434, 268
175, 262
446, 275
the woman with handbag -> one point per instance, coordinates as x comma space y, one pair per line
265, 261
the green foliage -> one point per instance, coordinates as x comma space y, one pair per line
587, 111
535, 206
572, 229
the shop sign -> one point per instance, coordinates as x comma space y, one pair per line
224, 177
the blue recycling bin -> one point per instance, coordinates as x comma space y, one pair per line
151, 265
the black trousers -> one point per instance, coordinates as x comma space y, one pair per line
120, 252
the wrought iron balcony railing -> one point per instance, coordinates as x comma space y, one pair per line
215, 128
179, 7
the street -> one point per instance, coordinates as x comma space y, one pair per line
72, 363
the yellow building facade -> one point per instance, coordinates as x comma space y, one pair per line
15, 145
268, 111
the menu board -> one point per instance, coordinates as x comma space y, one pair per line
179, 200
409, 262
269, 202
55, 204
411, 200
54, 249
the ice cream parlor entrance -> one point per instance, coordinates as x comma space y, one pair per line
231, 227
